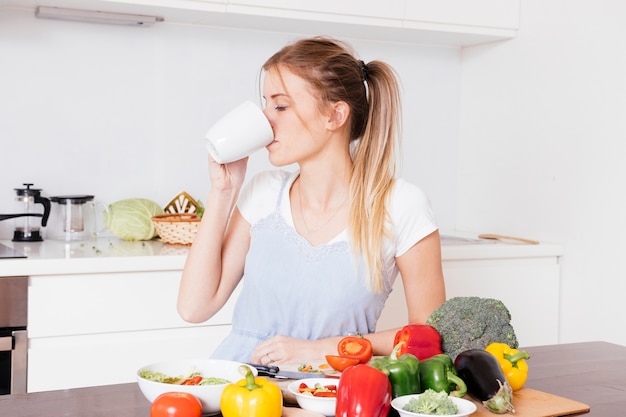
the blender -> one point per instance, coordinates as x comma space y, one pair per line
27, 228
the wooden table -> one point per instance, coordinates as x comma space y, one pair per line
593, 373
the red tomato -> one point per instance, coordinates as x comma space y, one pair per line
339, 363
355, 347
176, 404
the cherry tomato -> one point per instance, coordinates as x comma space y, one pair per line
355, 347
339, 363
176, 404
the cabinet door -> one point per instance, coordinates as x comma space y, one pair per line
530, 290
89, 360
502, 14
102, 303
528, 287
390, 9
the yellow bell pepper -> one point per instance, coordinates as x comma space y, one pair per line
512, 362
251, 397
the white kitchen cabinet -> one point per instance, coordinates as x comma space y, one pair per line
326, 9
99, 328
524, 277
480, 14
436, 22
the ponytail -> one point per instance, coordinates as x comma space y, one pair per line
374, 169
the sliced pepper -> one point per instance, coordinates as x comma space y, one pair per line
363, 391
421, 340
402, 371
439, 374
251, 397
512, 362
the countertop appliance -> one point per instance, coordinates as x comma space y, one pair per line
13, 334
26, 230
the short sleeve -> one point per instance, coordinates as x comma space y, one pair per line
259, 196
411, 215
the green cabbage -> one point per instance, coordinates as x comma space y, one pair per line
131, 219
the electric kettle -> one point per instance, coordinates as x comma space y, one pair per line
26, 228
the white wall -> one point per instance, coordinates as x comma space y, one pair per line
120, 112
542, 147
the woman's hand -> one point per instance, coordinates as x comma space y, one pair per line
285, 349
230, 176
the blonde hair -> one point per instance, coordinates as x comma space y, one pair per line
371, 90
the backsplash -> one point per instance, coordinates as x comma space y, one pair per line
120, 112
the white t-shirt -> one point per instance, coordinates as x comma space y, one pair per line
411, 214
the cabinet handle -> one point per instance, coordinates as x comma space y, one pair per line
6, 343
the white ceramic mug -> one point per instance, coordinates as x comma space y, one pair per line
239, 133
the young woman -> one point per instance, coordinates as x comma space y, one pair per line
318, 249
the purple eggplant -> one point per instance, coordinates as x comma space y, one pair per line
485, 381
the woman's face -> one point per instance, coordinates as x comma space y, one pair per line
300, 130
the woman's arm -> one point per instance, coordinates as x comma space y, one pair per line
215, 261
424, 289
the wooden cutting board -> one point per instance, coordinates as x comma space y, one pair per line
532, 403
527, 401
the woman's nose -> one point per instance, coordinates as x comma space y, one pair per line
266, 112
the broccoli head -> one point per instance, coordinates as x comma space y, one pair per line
472, 323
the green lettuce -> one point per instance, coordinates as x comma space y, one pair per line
131, 219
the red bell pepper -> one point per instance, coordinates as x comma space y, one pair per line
420, 340
363, 391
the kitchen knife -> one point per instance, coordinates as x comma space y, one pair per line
275, 372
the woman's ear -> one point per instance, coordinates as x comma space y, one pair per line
340, 112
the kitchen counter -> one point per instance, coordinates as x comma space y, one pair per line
584, 372
114, 255
141, 280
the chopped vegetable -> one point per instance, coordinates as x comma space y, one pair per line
193, 378
432, 402
340, 363
318, 390
355, 347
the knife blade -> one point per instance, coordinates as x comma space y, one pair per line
273, 371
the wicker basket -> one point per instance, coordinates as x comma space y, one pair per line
177, 228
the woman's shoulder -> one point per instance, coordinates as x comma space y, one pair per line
259, 196
270, 179
407, 194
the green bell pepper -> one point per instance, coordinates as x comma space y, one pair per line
403, 372
439, 374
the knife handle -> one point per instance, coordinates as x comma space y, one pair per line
265, 370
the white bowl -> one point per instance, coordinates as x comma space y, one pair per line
322, 405
465, 407
209, 395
